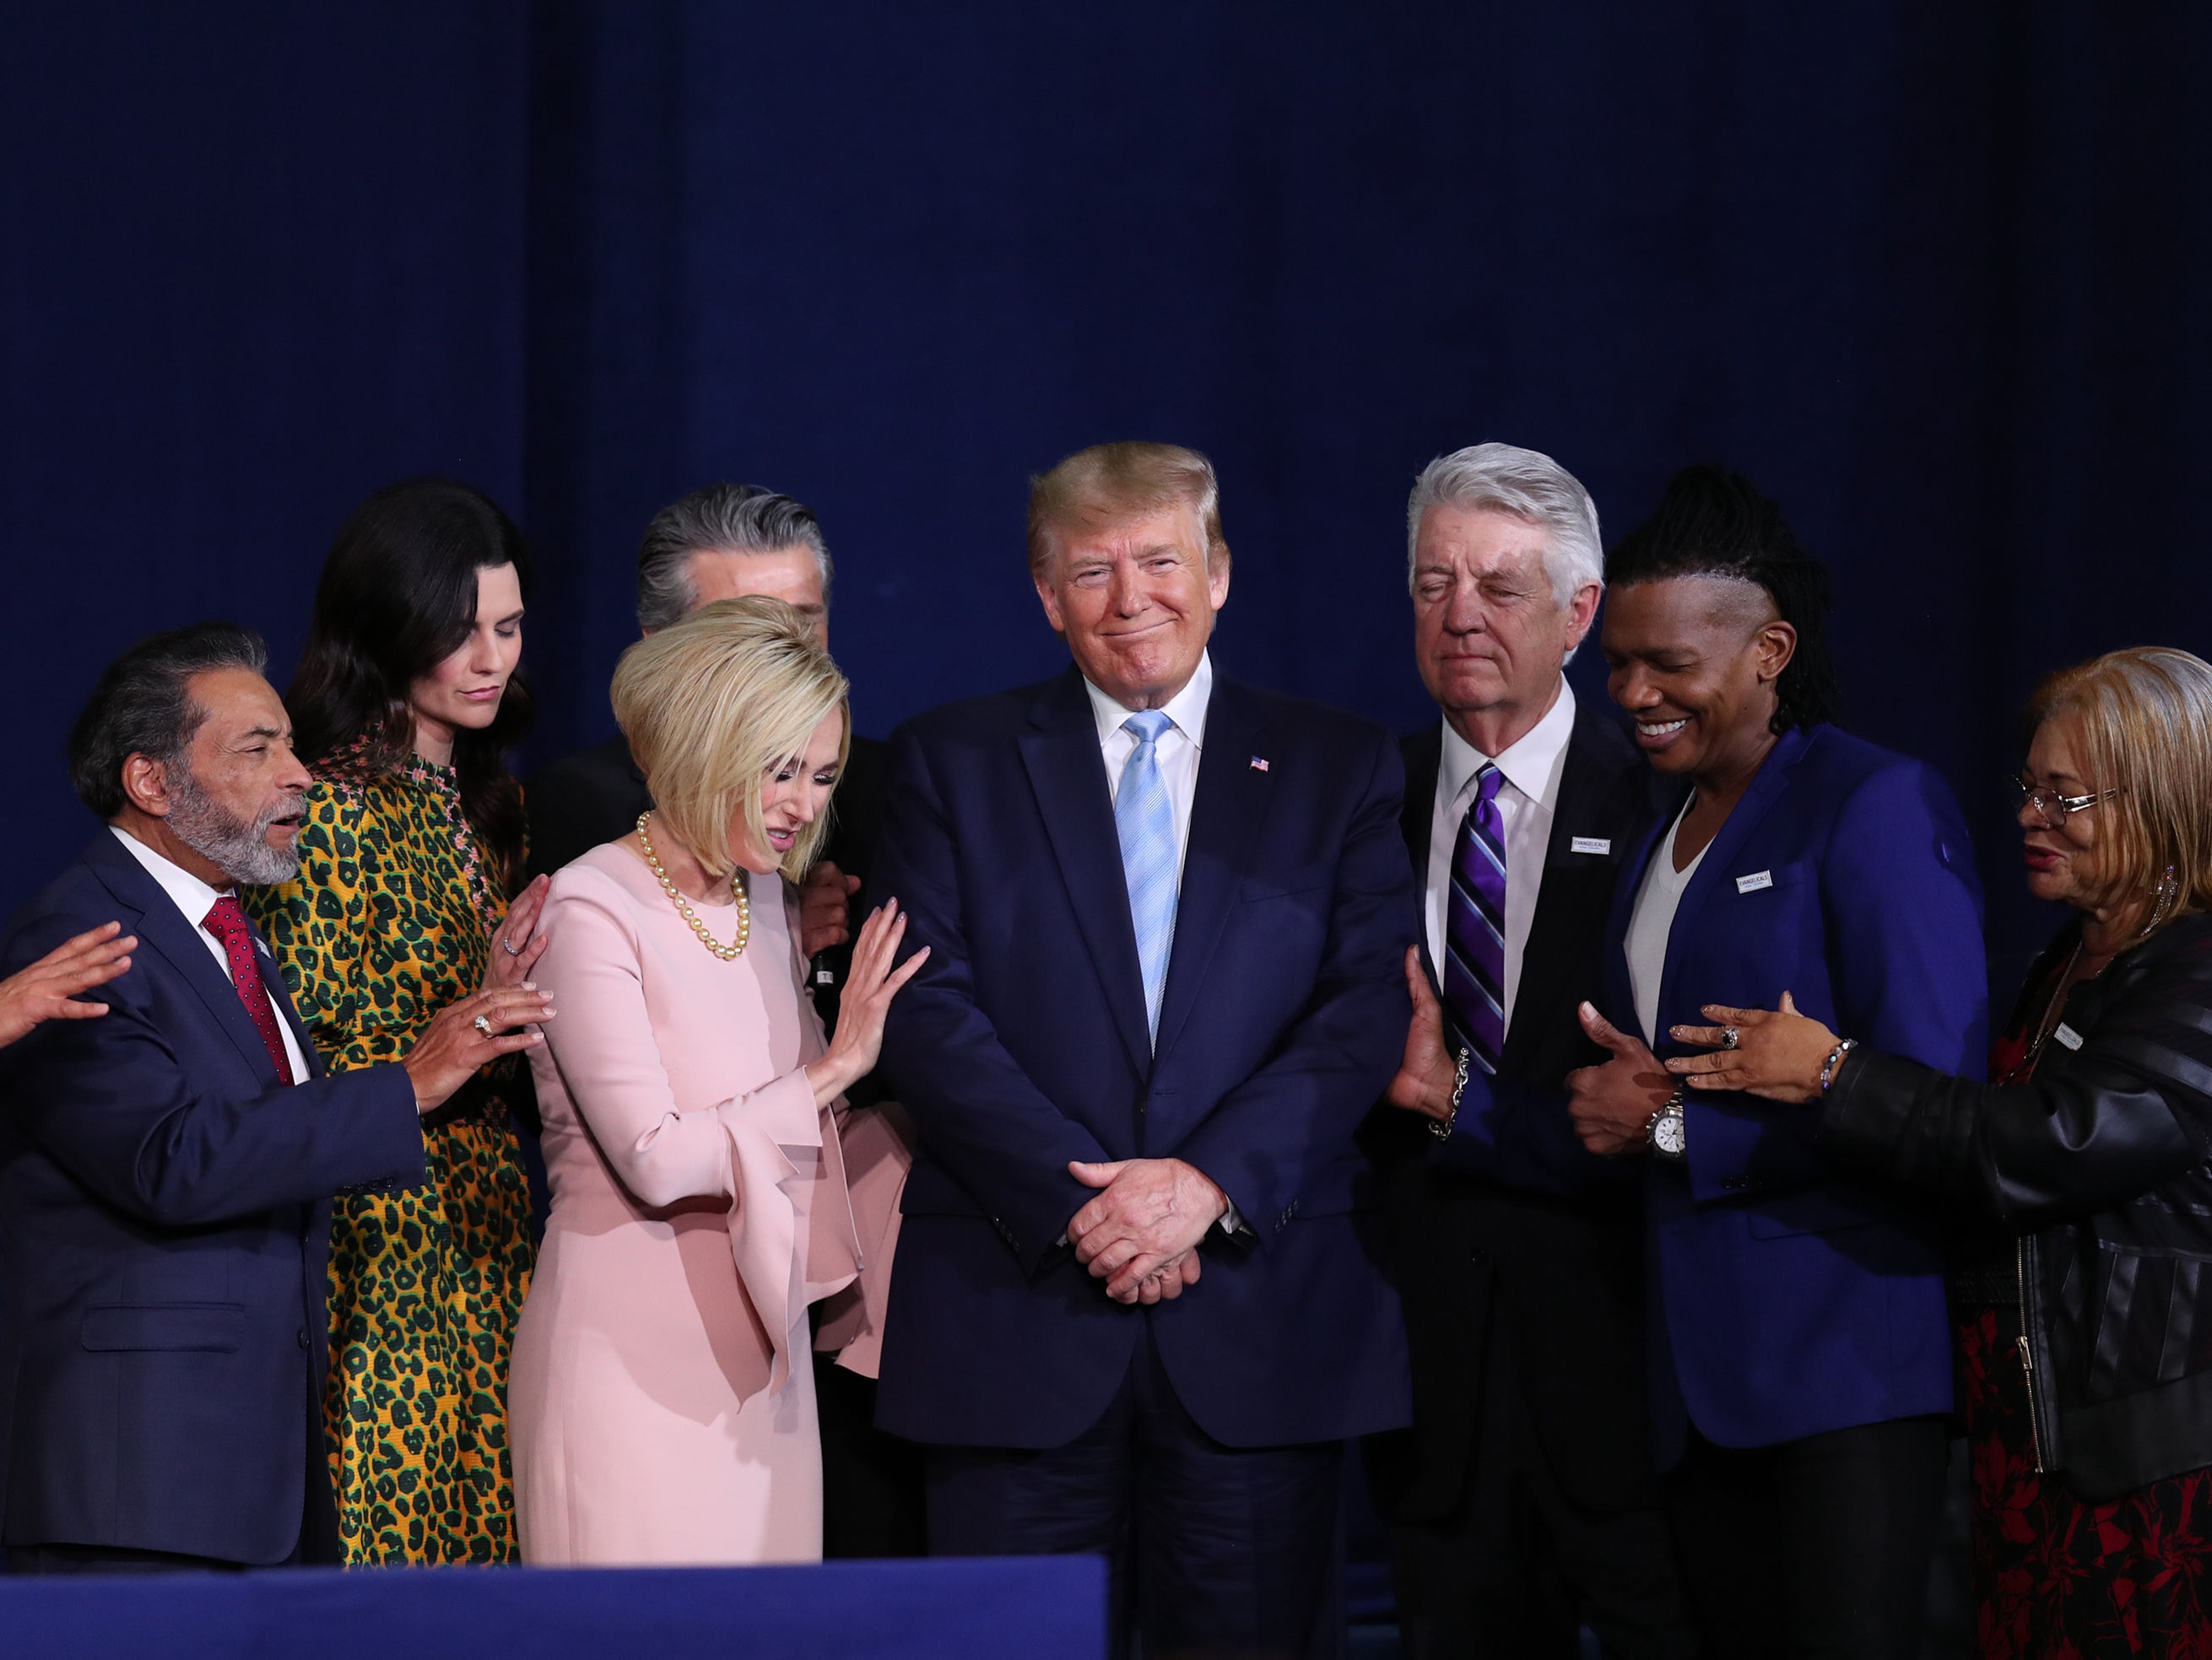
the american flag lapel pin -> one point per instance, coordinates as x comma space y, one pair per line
1259, 763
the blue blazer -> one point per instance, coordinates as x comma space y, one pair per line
164, 1232
1023, 1045
1787, 1302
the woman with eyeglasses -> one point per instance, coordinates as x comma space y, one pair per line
2084, 1305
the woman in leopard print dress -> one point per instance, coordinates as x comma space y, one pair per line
405, 702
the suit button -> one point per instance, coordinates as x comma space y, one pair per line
303, 1337
1478, 1257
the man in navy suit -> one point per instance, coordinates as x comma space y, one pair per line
166, 1168
1139, 1306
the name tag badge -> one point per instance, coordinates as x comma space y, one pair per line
1755, 881
2066, 1035
1597, 844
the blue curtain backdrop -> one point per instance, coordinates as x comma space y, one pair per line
1940, 278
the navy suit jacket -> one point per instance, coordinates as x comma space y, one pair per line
1023, 1045
164, 1234
1788, 1302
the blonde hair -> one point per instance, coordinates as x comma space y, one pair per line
2145, 721
714, 703
1120, 481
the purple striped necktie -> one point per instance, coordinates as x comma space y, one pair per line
1475, 925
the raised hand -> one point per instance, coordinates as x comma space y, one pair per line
1426, 1075
47, 990
452, 1046
1150, 1212
513, 953
825, 916
1778, 1053
870, 985
1612, 1104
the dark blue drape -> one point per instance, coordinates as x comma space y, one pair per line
1937, 277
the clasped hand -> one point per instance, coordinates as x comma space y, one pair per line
1140, 1235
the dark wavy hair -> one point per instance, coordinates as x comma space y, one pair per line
1711, 522
399, 596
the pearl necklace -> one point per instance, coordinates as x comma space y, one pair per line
727, 953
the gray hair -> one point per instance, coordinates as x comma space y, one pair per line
1527, 484
720, 518
144, 705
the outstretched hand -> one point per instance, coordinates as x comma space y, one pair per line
1778, 1055
1142, 1230
1612, 1104
870, 985
514, 952
1426, 1075
47, 989
452, 1046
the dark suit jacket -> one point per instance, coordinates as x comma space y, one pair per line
1509, 1232
1023, 1045
1789, 1301
164, 1234
595, 794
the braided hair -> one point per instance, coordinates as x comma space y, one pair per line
1711, 522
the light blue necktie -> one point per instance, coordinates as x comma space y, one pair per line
1145, 824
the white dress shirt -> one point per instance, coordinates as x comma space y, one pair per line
195, 898
1651, 924
1178, 748
1527, 800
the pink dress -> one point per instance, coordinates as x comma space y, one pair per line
661, 1401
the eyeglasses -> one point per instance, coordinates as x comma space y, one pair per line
2054, 809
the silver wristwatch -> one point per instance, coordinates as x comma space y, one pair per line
1665, 1130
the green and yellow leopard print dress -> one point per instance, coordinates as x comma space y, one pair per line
388, 922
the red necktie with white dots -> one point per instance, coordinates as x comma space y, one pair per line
227, 921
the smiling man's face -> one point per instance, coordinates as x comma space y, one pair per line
1134, 599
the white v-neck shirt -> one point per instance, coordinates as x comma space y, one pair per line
1651, 923
195, 898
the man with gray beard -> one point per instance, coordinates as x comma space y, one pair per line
165, 1169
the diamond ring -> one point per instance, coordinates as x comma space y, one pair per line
482, 1026
1730, 1037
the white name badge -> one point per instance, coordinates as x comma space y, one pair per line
1755, 881
1598, 844
2066, 1035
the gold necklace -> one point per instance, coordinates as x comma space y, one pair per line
727, 953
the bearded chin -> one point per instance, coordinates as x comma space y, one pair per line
238, 849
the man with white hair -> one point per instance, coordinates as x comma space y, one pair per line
1522, 1503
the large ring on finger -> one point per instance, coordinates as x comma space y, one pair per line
482, 1025
509, 946
1730, 1037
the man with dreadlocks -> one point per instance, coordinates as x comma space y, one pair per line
1800, 1370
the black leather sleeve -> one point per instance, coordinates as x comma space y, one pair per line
2128, 1111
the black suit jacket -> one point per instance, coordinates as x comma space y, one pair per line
1509, 1231
595, 794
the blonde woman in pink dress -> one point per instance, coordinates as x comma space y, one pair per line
662, 1399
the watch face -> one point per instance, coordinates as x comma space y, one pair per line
1667, 1135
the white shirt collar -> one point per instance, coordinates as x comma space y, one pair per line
1186, 709
193, 896
1529, 765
